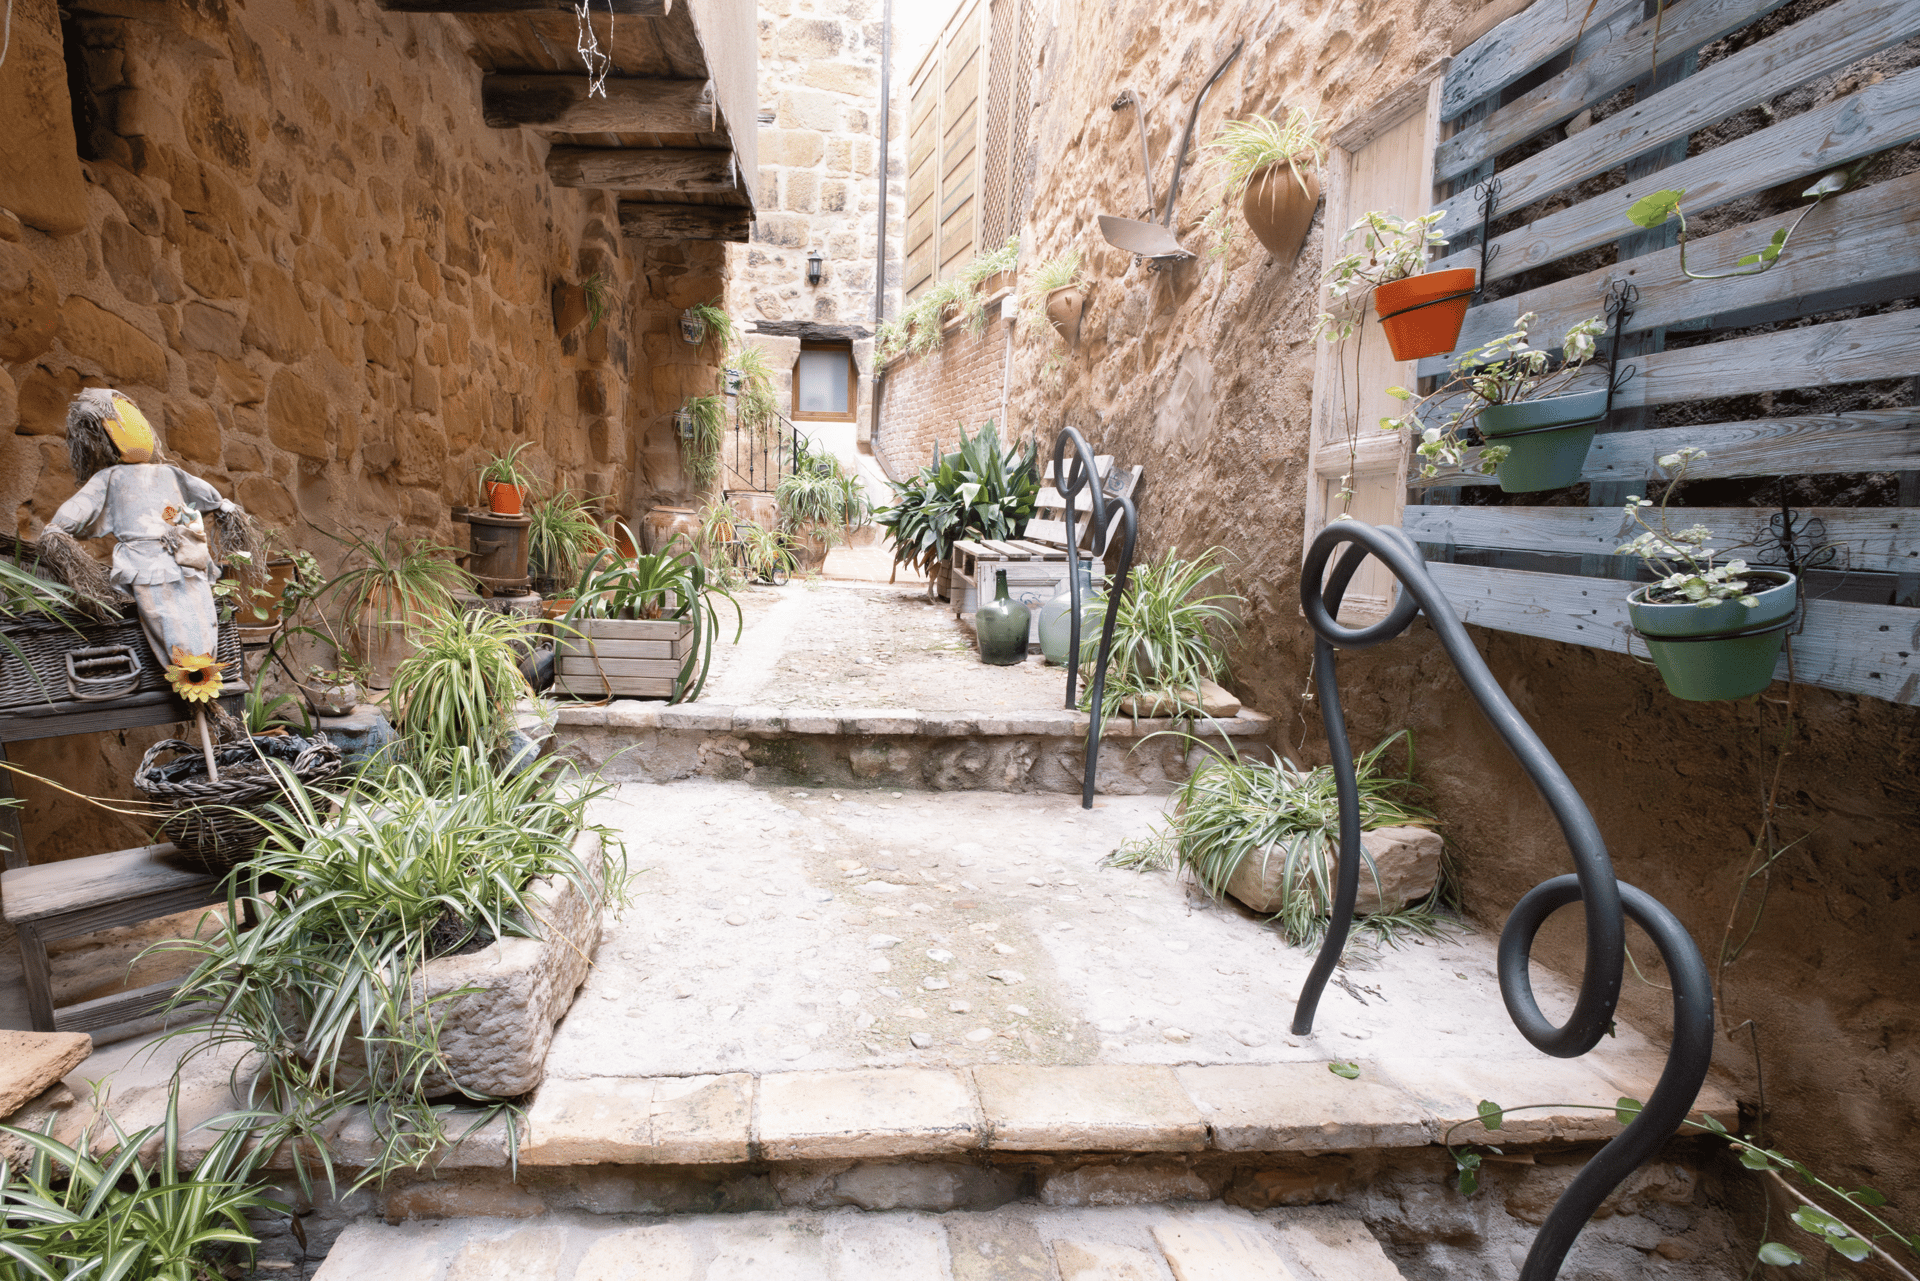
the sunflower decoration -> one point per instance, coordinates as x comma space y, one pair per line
194, 677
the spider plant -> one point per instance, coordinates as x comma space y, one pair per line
405, 582
68, 1212
459, 685
1164, 634
991, 263
1231, 810
704, 427
563, 533
660, 585
24, 594
506, 469
765, 552
1245, 147
758, 407
598, 290
720, 327
326, 984
1054, 273
820, 497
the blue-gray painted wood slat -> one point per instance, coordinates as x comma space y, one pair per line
1525, 41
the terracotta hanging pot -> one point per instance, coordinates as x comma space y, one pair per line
1065, 306
504, 499
569, 308
1422, 315
661, 527
1279, 209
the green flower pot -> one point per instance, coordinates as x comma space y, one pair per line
1719, 666
1543, 459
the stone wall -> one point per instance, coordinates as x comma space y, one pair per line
927, 398
286, 232
1203, 371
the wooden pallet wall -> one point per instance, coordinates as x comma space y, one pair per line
1519, 104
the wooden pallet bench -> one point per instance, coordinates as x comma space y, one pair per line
1036, 574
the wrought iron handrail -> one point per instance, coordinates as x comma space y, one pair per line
768, 453
1070, 481
1592, 884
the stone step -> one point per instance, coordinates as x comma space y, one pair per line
1016, 751
1205, 1242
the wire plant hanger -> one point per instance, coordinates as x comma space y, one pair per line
587, 45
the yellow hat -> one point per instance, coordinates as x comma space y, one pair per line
130, 431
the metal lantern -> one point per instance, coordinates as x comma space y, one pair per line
816, 261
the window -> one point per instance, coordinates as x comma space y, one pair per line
824, 387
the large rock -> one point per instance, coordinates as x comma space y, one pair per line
123, 353
32, 1061
1406, 862
297, 416
40, 177
29, 305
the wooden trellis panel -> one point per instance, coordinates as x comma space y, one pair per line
1550, 571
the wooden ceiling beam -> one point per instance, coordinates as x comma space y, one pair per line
684, 171
561, 104
648, 220
621, 8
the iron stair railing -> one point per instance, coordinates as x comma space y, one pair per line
1071, 480
1605, 901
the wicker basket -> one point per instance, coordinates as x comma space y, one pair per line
111, 660
213, 823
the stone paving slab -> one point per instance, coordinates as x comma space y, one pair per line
832, 1115
1021, 1242
930, 722
1108, 1107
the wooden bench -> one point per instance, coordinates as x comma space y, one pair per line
1049, 523
98, 892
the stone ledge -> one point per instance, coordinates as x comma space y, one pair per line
1064, 1109
879, 1112
897, 722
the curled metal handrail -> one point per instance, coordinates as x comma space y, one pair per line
1605, 902
1070, 481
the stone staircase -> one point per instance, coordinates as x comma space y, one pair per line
1015, 1243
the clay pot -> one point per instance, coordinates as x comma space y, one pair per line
1555, 433
756, 507
1278, 210
259, 614
504, 499
661, 527
999, 282
569, 308
1064, 307
332, 700
1724, 650
1416, 331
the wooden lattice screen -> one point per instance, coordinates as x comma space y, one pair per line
1800, 383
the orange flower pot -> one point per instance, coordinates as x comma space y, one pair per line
1422, 315
504, 499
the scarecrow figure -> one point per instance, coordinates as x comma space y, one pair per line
155, 513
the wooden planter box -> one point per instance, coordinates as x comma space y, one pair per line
621, 657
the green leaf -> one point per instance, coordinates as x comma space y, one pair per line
1746, 260
1654, 210
1755, 1159
1852, 1247
1780, 1256
1867, 1196
1490, 1114
1625, 1109
1814, 1219
1341, 1068
1712, 1124
1468, 1163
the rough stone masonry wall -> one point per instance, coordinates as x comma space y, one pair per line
300, 249
926, 399
1676, 788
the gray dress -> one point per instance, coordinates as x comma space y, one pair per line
153, 511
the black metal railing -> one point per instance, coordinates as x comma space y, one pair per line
1604, 900
1084, 475
760, 449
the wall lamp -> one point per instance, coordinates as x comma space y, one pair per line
816, 261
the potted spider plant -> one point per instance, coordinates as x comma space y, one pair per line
1272, 166
1714, 628
701, 425
562, 534
505, 482
642, 626
992, 272
704, 320
1059, 292
1167, 636
391, 587
1421, 313
1537, 426
819, 502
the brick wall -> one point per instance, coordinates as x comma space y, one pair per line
929, 397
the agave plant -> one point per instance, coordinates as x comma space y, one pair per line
660, 585
984, 489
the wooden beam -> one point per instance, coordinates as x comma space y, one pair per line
561, 103
683, 170
654, 221
620, 8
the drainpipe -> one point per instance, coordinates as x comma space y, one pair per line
880, 240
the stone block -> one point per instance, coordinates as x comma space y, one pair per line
809, 39
1634, 1075
1302, 1107
997, 1248
693, 716
880, 720
1311, 1181
124, 354
379, 1250
1406, 867
1322, 1242
853, 78
1104, 1261
194, 433
207, 328
1219, 1249
784, 229
40, 175
1451, 1091
656, 1252
277, 319
1092, 1108
924, 1185
462, 1199
639, 1121
583, 716
297, 416
896, 1248
32, 1061
43, 398
530, 1254
758, 720
786, 1247
881, 1112
29, 305
209, 264
128, 257
9, 403
1132, 1183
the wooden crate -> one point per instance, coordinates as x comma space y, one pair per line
1035, 575
622, 657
